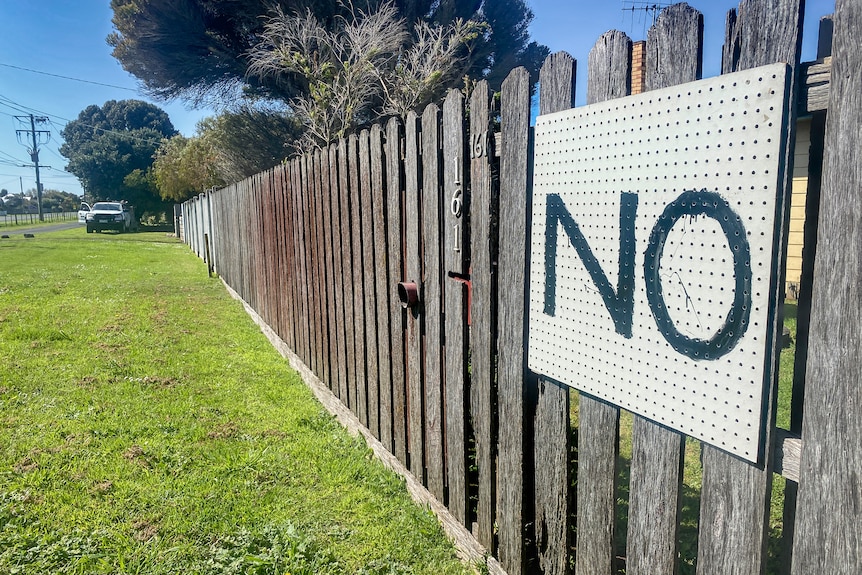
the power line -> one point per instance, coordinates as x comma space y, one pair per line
68, 77
26, 110
13, 107
10, 103
10, 156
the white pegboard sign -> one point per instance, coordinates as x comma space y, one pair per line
653, 242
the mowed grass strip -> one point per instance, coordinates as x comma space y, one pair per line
148, 427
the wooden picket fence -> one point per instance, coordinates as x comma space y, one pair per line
327, 249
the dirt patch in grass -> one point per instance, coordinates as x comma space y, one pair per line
25, 465
160, 381
109, 347
120, 324
144, 530
102, 487
88, 382
224, 431
137, 455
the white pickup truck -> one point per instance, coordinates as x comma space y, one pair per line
110, 216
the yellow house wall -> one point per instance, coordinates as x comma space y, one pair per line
797, 207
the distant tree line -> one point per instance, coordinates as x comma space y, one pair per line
53, 201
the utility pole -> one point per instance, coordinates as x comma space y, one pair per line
33, 140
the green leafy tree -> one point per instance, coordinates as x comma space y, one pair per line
226, 148
184, 167
106, 144
142, 192
249, 139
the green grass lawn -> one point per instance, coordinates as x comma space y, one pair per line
11, 223
148, 427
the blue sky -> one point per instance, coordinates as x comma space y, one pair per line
67, 38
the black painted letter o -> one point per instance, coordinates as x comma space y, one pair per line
712, 205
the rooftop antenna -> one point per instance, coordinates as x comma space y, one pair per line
645, 10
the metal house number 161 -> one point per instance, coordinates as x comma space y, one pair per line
456, 206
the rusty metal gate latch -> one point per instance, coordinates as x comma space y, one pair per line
465, 279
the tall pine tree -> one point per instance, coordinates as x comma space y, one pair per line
197, 50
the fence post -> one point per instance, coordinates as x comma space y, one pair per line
828, 510
515, 207
395, 261
432, 299
552, 428
735, 495
674, 54
369, 269
456, 250
481, 236
413, 267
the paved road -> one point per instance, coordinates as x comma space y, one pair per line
4, 231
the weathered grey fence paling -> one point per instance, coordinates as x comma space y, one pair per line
319, 245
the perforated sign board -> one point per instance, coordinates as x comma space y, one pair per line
653, 242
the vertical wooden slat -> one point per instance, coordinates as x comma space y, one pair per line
317, 274
278, 282
289, 299
515, 206
735, 497
267, 234
307, 197
381, 272
551, 436
803, 321
829, 511
282, 277
243, 245
329, 282
455, 256
339, 383
248, 246
301, 287
397, 315
371, 419
412, 208
260, 246
257, 240
344, 195
803, 309
431, 296
276, 233
314, 250
321, 196
482, 330
359, 378
249, 227
288, 242
673, 51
